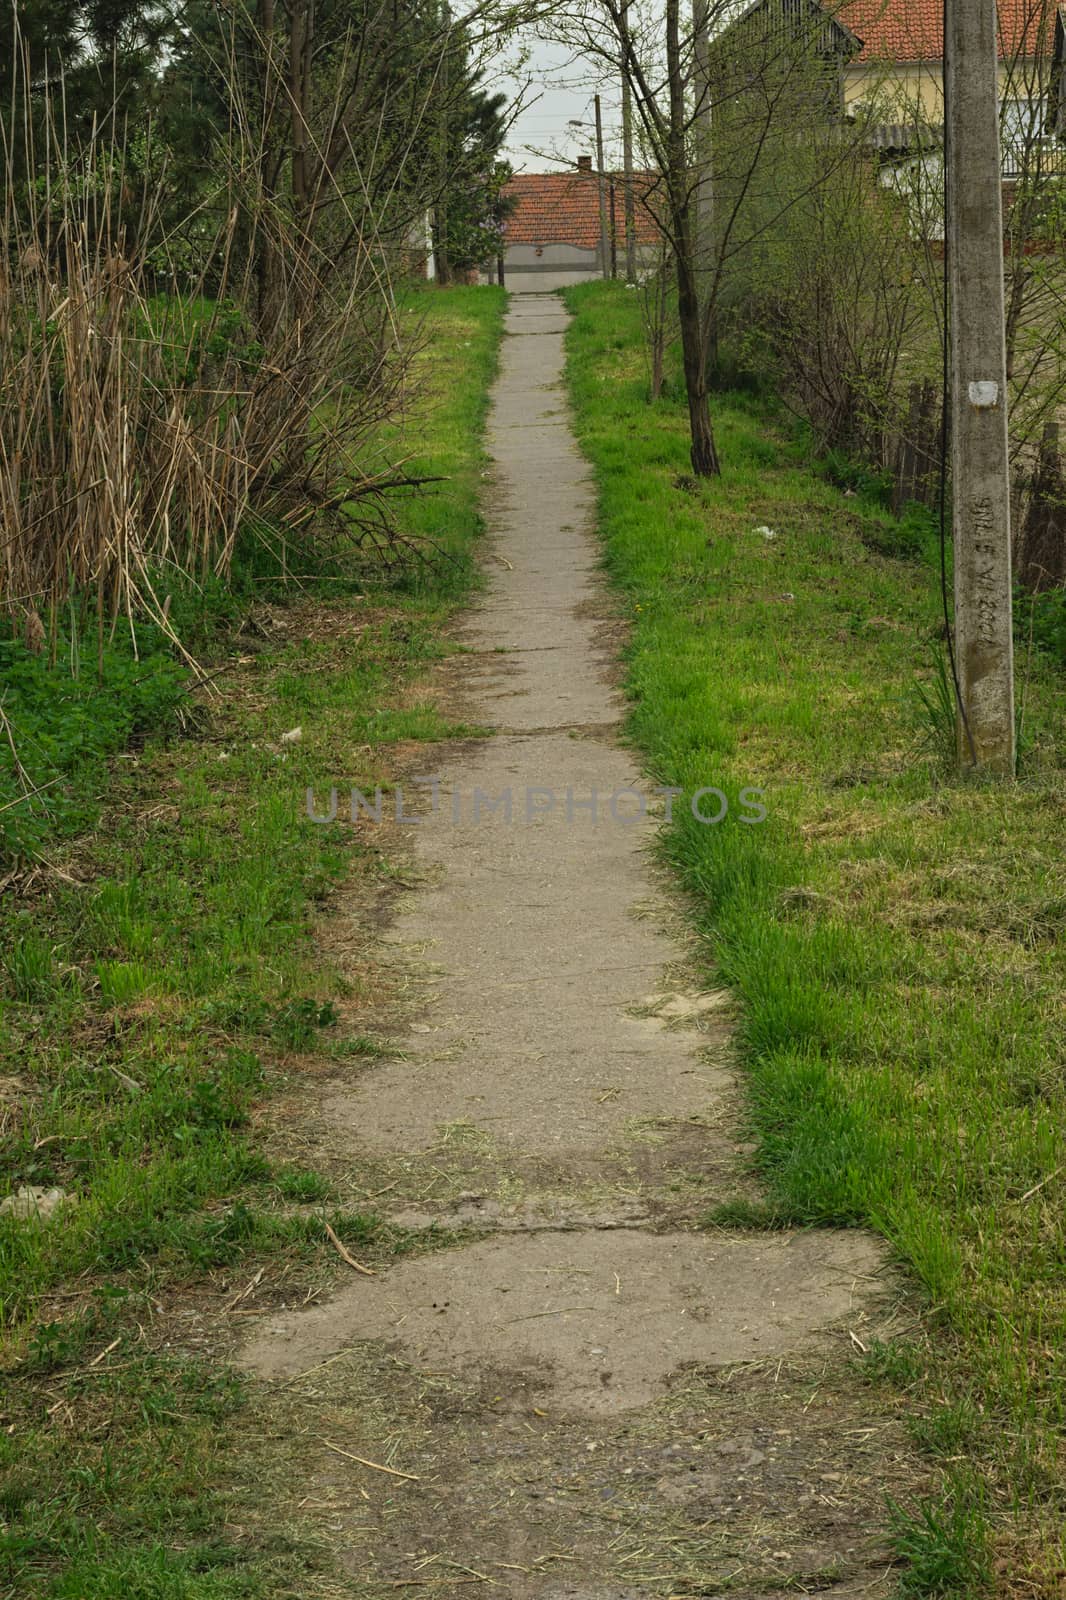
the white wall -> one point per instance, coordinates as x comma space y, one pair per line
556, 267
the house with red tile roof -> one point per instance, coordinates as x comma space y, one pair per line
912, 31
899, 63
552, 237
889, 62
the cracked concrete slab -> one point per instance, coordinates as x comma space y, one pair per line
603, 1319
535, 957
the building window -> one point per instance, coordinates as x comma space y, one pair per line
1022, 129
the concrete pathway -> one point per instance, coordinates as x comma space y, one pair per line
597, 1397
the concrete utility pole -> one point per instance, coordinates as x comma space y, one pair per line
614, 230
605, 259
627, 156
979, 460
701, 45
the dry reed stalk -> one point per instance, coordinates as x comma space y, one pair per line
142, 433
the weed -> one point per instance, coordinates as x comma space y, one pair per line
949, 1430
889, 1361
121, 982
67, 719
757, 1215
1044, 616
64, 1343
362, 1045
297, 1022
937, 706
944, 1548
29, 966
301, 1185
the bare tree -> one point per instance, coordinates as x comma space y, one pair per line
711, 92
654, 292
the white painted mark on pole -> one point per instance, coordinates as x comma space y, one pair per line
984, 396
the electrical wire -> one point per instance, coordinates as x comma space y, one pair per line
945, 411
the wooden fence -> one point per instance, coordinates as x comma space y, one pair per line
1040, 526
912, 456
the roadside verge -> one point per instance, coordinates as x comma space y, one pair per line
893, 935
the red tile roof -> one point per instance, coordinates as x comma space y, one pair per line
913, 30
564, 208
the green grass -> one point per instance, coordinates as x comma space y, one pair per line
943, 1548
894, 932
66, 717
153, 989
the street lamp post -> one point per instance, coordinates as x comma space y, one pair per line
606, 266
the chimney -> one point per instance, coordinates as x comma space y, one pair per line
584, 163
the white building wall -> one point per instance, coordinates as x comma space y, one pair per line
533, 269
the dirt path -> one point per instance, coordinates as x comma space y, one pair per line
597, 1398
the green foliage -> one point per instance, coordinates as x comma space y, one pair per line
951, 1431
72, 705
57, 1344
1045, 208
124, 181
123, 1514
847, 473
473, 213
301, 1185
29, 967
756, 1215
823, 287
198, 335
471, 207
76, 40
369, 1049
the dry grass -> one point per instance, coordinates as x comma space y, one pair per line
151, 416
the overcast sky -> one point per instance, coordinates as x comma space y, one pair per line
561, 89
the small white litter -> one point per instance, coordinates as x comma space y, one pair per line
35, 1204
293, 736
767, 533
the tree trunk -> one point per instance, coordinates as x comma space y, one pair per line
1018, 279
704, 454
267, 265
442, 267
300, 44
703, 233
304, 185
705, 462
627, 156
